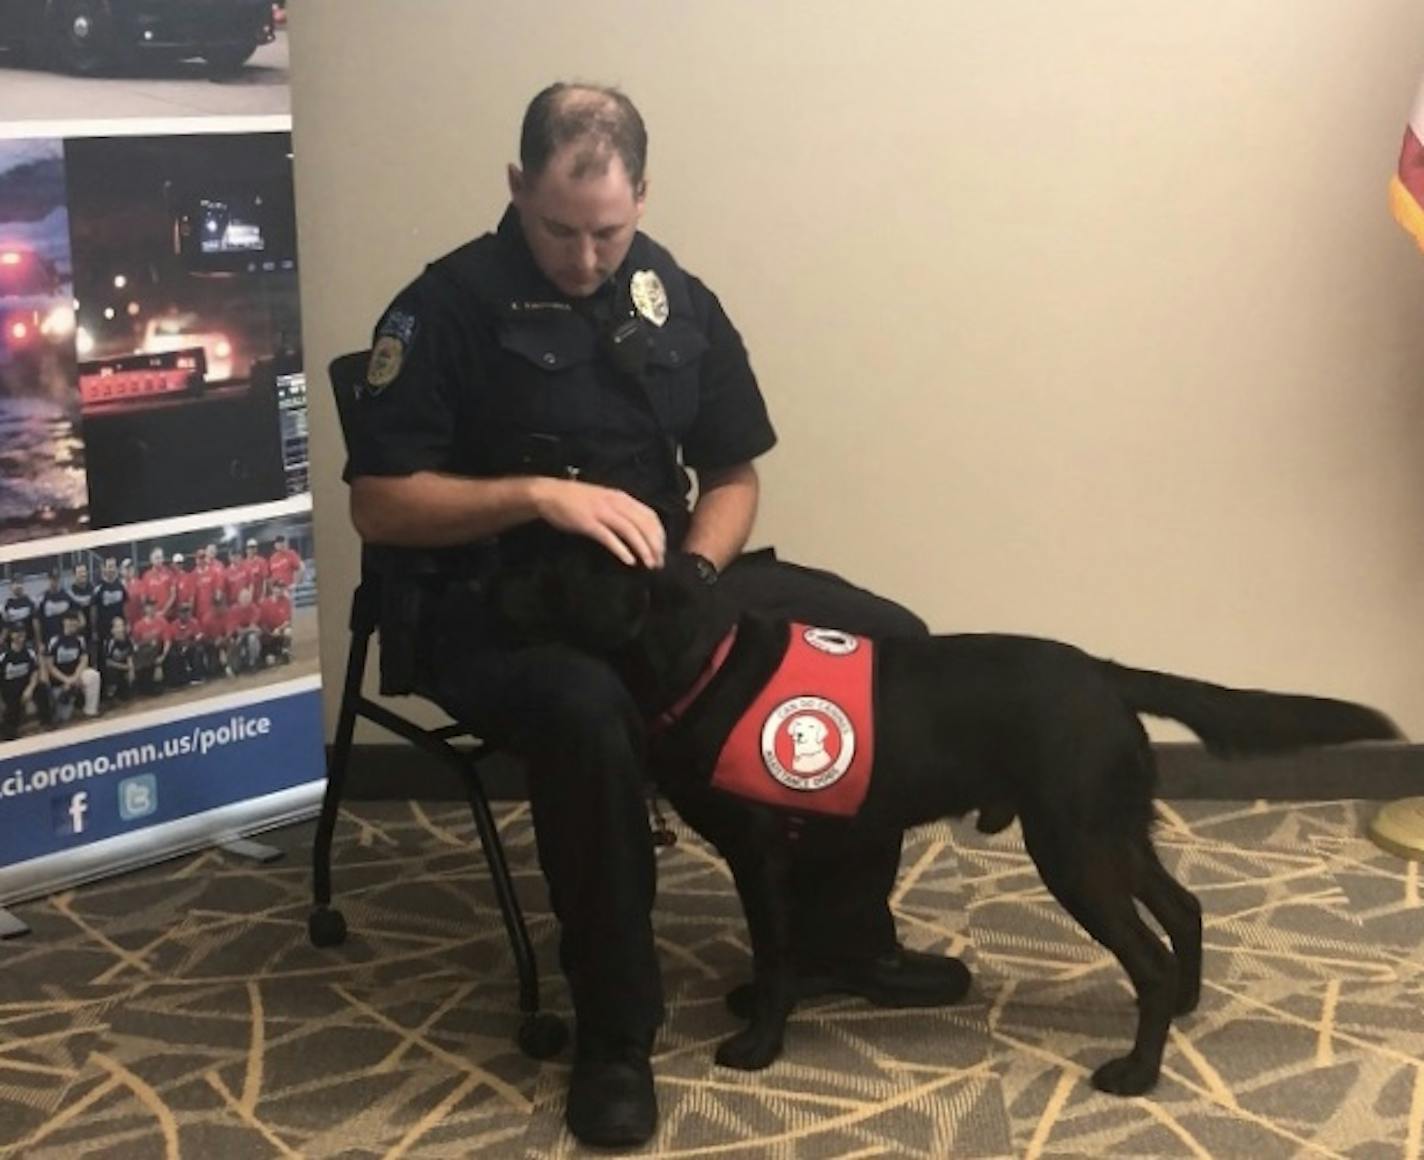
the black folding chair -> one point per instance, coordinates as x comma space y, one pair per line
541, 1034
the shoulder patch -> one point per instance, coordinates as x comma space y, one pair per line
394, 335
386, 358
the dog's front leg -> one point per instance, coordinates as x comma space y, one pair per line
763, 874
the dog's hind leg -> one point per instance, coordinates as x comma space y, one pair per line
1093, 884
1179, 912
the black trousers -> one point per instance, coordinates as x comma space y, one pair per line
582, 737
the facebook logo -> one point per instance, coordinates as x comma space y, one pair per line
69, 813
138, 797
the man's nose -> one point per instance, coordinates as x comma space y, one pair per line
587, 253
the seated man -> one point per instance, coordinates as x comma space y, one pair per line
118, 673
74, 683
213, 634
274, 617
566, 369
152, 637
244, 634
186, 657
23, 689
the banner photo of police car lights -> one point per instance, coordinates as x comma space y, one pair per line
159, 678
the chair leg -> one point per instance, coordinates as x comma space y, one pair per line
504, 891
542, 1035
336, 770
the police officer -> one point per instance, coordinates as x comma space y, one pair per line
565, 369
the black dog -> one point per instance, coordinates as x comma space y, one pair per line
1006, 726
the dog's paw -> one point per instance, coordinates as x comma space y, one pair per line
748, 1051
1125, 1077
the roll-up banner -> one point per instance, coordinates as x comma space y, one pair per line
159, 680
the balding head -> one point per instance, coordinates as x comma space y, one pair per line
599, 120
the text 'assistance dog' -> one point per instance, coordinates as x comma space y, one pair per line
1003, 725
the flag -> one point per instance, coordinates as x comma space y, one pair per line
1406, 187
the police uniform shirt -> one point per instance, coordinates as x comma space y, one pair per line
481, 358
65, 653
17, 666
53, 606
19, 610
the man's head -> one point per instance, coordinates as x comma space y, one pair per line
70, 621
109, 569
54, 579
16, 635
251, 548
126, 569
17, 586
118, 628
580, 185
155, 557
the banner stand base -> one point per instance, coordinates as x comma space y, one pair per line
247, 848
10, 926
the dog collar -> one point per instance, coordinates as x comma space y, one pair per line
668, 717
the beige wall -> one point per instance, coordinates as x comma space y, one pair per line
1085, 320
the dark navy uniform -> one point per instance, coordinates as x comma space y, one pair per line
118, 671
52, 608
109, 597
17, 666
482, 368
20, 612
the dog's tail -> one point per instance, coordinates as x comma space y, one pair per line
1249, 722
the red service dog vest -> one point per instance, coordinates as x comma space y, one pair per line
806, 743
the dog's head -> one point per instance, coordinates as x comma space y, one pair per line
648, 624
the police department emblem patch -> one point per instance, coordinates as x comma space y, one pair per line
386, 358
649, 297
807, 743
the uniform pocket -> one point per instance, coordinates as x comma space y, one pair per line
674, 373
545, 381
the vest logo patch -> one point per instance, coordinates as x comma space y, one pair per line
807, 743
831, 640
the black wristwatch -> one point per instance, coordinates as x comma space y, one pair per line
706, 570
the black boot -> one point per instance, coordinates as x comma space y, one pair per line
899, 979
611, 1099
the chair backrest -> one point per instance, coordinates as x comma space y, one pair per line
346, 372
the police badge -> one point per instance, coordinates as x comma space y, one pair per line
649, 297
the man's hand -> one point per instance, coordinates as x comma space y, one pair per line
625, 526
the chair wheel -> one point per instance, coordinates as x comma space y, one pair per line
542, 1036
326, 928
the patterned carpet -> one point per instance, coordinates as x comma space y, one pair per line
181, 1012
